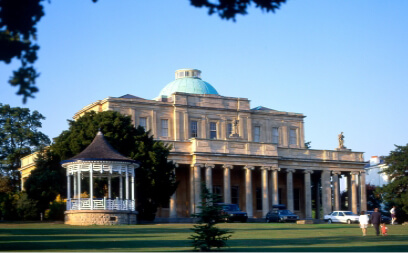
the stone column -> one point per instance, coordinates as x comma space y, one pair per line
354, 192
208, 176
336, 188
308, 194
132, 186
227, 183
274, 182
248, 191
173, 201
127, 185
363, 194
349, 192
289, 188
196, 187
265, 195
326, 192
317, 199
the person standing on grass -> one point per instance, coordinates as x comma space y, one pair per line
363, 219
393, 215
376, 220
384, 229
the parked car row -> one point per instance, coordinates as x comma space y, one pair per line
279, 213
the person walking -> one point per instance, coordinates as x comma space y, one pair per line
363, 219
393, 215
376, 220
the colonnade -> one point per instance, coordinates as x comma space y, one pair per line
329, 181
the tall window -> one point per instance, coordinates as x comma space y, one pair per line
296, 199
229, 129
213, 130
275, 135
258, 198
143, 123
257, 134
165, 128
217, 191
235, 195
194, 129
292, 136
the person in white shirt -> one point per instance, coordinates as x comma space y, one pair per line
364, 219
393, 216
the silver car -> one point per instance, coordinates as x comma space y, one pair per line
342, 216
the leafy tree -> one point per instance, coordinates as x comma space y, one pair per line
46, 181
373, 198
155, 178
397, 190
207, 236
19, 136
18, 32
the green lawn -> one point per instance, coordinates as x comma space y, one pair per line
173, 237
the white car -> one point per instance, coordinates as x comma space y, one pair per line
342, 216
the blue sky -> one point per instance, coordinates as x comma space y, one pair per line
343, 64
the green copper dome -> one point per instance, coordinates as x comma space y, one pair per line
188, 81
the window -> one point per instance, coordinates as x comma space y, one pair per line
257, 133
194, 129
143, 123
292, 136
229, 129
213, 130
258, 198
275, 135
165, 128
235, 195
296, 199
217, 191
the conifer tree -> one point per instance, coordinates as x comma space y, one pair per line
207, 236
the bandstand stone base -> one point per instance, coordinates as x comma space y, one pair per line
100, 217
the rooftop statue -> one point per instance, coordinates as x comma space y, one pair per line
341, 141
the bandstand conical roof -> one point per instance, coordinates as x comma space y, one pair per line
99, 150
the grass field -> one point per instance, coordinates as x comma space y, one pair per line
174, 237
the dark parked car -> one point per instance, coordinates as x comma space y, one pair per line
233, 212
384, 218
281, 215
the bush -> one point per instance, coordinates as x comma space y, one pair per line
26, 208
56, 211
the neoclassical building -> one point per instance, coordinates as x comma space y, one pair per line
254, 157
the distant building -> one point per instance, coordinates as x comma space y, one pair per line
373, 171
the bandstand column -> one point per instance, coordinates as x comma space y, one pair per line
79, 189
354, 192
110, 185
91, 185
75, 181
248, 191
363, 201
208, 176
289, 188
227, 183
132, 190
127, 184
308, 194
120, 185
68, 186
336, 189
265, 195
274, 182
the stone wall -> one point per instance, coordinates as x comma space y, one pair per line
100, 217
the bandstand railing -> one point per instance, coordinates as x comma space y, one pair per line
101, 204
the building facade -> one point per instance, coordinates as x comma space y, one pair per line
253, 157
